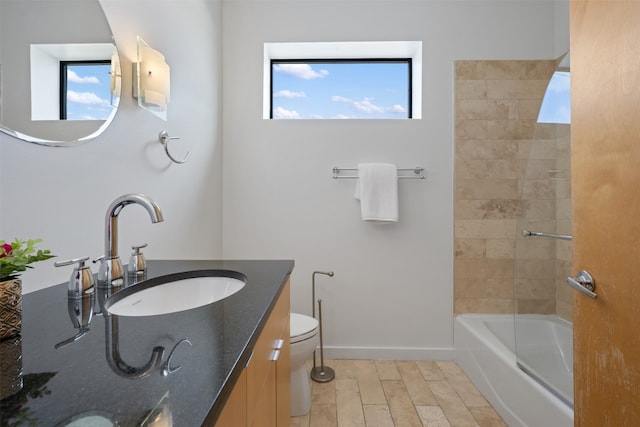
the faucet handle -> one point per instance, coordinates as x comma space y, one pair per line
79, 261
137, 248
137, 267
81, 281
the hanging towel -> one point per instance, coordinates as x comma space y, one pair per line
377, 190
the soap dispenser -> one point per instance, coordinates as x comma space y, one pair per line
137, 267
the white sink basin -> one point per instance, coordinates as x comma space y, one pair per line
177, 295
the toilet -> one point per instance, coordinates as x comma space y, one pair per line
304, 340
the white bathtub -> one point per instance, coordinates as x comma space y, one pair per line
484, 348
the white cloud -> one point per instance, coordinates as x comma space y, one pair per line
281, 113
302, 71
289, 94
85, 98
367, 106
337, 98
74, 78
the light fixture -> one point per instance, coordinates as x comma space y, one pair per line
116, 78
151, 84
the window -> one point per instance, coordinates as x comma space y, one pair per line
343, 80
556, 104
85, 90
341, 89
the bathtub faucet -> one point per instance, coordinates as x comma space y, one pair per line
111, 274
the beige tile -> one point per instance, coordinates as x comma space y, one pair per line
500, 248
454, 399
487, 417
323, 415
484, 305
343, 368
387, 370
470, 129
470, 248
536, 306
483, 268
370, 387
470, 89
467, 70
485, 228
484, 288
521, 69
323, 393
488, 169
302, 421
432, 416
449, 368
402, 410
489, 209
467, 391
483, 109
377, 416
529, 108
430, 370
535, 289
516, 89
471, 149
535, 269
348, 403
454, 408
415, 383
538, 189
471, 189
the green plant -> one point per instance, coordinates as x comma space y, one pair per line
16, 256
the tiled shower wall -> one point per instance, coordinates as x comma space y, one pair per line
508, 175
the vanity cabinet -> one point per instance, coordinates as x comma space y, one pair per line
262, 394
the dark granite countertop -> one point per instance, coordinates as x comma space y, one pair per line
76, 380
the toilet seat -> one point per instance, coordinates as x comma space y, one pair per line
302, 327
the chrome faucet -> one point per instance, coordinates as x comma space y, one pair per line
111, 273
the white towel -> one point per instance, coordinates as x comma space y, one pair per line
377, 190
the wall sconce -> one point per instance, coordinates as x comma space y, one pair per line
116, 78
151, 84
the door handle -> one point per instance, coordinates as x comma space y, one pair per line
584, 283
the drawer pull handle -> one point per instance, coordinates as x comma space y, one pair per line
275, 355
279, 344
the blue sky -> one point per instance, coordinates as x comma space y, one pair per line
556, 104
358, 90
88, 92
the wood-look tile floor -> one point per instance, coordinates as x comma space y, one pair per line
387, 393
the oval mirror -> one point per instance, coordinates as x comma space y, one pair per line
59, 71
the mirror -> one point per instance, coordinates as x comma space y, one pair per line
35, 65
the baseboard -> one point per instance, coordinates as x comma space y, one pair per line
387, 353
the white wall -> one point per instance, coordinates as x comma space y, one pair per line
61, 194
392, 295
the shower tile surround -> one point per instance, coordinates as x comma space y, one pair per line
510, 175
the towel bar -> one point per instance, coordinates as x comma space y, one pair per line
418, 171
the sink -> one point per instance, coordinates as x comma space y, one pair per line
173, 293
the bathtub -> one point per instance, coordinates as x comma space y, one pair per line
485, 350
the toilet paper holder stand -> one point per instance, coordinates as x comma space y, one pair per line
322, 373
